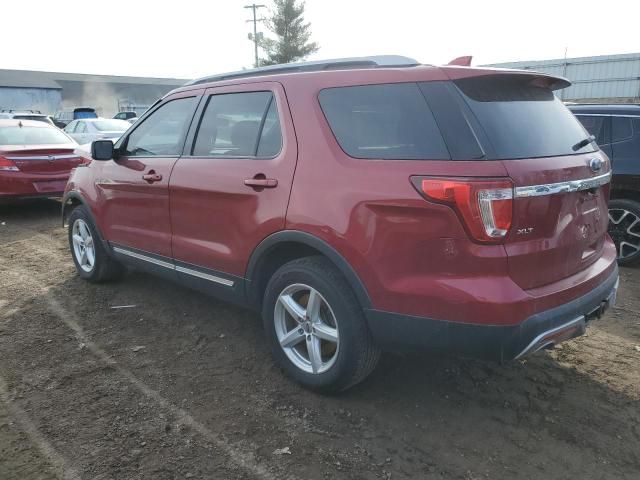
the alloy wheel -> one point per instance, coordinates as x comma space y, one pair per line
306, 328
624, 228
83, 246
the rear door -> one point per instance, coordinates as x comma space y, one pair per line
561, 181
134, 188
231, 187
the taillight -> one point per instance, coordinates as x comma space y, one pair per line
7, 165
484, 205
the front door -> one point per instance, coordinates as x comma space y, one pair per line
231, 188
135, 186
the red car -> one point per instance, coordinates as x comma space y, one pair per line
35, 159
362, 205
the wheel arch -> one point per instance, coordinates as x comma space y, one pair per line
287, 245
74, 199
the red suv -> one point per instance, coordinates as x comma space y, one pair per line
359, 205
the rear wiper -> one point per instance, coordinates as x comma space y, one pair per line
583, 143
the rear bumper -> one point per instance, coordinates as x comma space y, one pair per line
20, 184
499, 342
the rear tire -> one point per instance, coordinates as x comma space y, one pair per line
92, 261
323, 343
624, 228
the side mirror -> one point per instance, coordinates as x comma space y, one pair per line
102, 150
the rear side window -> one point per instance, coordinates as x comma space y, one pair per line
522, 120
621, 129
388, 121
596, 126
239, 125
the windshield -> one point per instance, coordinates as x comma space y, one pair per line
522, 120
32, 136
111, 125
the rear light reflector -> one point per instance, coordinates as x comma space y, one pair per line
485, 206
7, 165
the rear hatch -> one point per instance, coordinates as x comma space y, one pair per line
560, 178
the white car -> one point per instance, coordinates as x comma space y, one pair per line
86, 130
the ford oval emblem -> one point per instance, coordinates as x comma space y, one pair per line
595, 164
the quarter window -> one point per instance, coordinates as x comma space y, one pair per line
162, 133
389, 121
239, 125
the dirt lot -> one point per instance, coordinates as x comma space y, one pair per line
182, 386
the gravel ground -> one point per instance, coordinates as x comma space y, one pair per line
183, 386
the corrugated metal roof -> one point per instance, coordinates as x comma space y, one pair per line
605, 76
49, 80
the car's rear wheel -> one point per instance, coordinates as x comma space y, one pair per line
89, 255
316, 326
624, 228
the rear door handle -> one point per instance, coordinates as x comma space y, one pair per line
152, 177
261, 182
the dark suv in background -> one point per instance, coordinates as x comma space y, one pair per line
617, 132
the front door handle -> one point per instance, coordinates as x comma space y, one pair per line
152, 177
259, 182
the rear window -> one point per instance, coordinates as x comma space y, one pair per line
522, 120
389, 121
32, 136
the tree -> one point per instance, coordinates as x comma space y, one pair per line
292, 34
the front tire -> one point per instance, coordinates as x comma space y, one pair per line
624, 228
89, 255
316, 326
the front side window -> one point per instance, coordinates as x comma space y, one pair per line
388, 121
81, 127
162, 133
239, 125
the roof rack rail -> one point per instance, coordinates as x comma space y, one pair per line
375, 61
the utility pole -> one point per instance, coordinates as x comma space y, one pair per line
255, 21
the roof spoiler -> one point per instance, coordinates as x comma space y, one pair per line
461, 61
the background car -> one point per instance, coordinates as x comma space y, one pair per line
35, 159
26, 115
125, 115
617, 132
62, 118
90, 129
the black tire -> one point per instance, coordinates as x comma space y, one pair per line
619, 231
104, 268
357, 354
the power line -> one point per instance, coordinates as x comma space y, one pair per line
255, 21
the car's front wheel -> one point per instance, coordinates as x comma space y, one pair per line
624, 228
89, 255
316, 326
